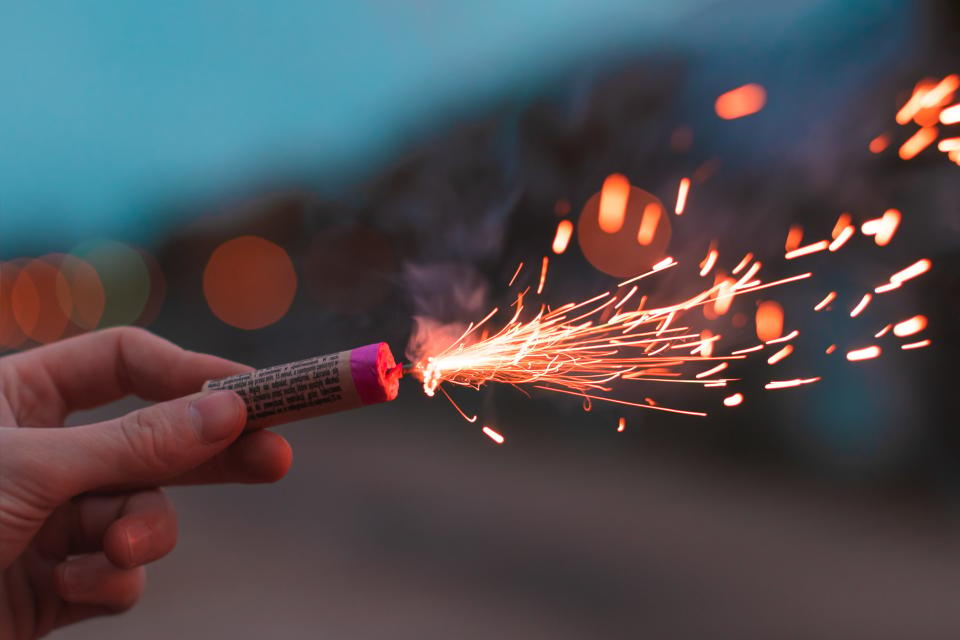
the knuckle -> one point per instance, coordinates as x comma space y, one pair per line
148, 436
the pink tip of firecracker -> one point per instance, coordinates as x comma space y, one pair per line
376, 375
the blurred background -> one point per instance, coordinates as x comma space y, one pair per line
272, 181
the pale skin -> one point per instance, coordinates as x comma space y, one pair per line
82, 510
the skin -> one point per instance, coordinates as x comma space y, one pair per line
82, 510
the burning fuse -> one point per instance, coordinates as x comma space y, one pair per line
315, 386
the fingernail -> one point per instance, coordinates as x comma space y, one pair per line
78, 579
138, 544
215, 415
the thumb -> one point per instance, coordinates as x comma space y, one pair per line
152, 444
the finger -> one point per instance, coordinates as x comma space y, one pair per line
258, 457
144, 447
92, 579
96, 368
131, 529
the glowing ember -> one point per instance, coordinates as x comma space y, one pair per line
807, 250
941, 92
682, 192
493, 435
786, 384
769, 320
613, 202
740, 102
562, 237
543, 274
865, 353
733, 400
913, 105
950, 115
915, 345
830, 297
743, 263
843, 221
712, 370
794, 237
949, 144
919, 141
881, 142
841, 238
910, 326
883, 332
917, 268
864, 301
648, 223
780, 355
515, 274
708, 262
790, 336
621, 424
831, 349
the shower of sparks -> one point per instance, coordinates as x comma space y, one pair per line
493, 435
682, 191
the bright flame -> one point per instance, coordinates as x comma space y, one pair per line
613, 202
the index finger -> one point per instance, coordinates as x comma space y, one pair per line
100, 367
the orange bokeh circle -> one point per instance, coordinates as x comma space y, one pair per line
249, 282
11, 336
40, 303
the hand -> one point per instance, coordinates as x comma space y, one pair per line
80, 507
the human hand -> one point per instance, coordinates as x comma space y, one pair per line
81, 510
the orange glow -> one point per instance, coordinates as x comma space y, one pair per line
748, 350
865, 353
621, 424
831, 349
841, 239
916, 143
786, 384
780, 355
769, 320
706, 343
950, 115
740, 102
543, 274
807, 250
941, 92
914, 104
86, 292
917, 268
725, 295
881, 142
708, 262
682, 191
734, 400
562, 237
11, 335
794, 237
648, 223
888, 226
864, 301
790, 336
711, 371
663, 264
493, 435
915, 345
41, 308
910, 326
883, 332
249, 282
890, 286
613, 202
843, 221
949, 144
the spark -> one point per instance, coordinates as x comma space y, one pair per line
747, 350
790, 336
827, 299
843, 221
708, 262
913, 105
884, 288
613, 202
794, 237
743, 263
883, 332
648, 223
866, 353
543, 274
841, 238
621, 424
807, 250
915, 345
864, 301
910, 326
780, 355
515, 274
740, 102
663, 264
493, 435
562, 237
710, 372
880, 143
916, 143
941, 92
949, 144
887, 227
951, 115
831, 349
917, 268
734, 400
682, 191
785, 384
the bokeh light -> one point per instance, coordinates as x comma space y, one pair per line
249, 282
613, 202
158, 291
740, 102
769, 320
41, 308
86, 295
123, 276
622, 254
11, 336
